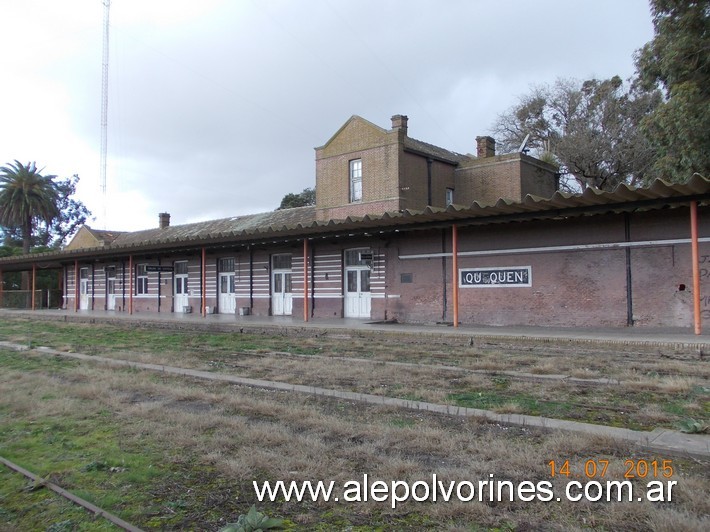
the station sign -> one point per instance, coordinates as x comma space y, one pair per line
163, 269
516, 276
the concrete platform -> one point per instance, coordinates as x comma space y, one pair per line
666, 338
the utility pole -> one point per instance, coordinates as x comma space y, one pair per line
104, 106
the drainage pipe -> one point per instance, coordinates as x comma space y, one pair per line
697, 318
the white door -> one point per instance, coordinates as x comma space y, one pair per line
227, 299
281, 298
111, 288
357, 292
182, 294
84, 289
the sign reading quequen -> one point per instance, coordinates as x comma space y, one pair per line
491, 277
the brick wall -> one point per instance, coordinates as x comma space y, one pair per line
510, 177
575, 287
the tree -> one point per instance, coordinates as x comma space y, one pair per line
678, 61
26, 198
589, 129
304, 199
68, 214
72, 215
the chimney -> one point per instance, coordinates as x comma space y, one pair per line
163, 220
486, 147
400, 122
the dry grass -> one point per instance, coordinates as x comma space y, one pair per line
244, 433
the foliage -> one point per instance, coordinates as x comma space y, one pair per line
691, 426
590, 129
70, 215
305, 198
678, 60
26, 198
53, 212
253, 521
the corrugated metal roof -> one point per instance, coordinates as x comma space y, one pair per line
301, 222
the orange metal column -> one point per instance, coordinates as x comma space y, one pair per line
455, 267
203, 282
305, 279
130, 284
76, 286
34, 285
697, 318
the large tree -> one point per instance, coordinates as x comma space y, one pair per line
26, 198
304, 198
678, 61
590, 129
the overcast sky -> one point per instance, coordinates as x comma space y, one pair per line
215, 106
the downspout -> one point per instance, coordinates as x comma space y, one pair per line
455, 270
34, 284
629, 286
130, 284
696, 266
305, 279
76, 285
429, 163
203, 274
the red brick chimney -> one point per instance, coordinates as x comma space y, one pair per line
163, 220
485, 147
400, 122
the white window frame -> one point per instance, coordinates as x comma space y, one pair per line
449, 196
141, 279
356, 181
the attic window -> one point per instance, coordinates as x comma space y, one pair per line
355, 180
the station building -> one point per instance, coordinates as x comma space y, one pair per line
406, 231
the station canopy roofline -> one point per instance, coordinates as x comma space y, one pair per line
290, 225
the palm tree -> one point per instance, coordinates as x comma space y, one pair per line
26, 197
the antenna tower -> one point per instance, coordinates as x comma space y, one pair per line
104, 106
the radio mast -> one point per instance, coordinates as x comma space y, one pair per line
104, 107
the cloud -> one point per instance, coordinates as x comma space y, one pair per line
215, 107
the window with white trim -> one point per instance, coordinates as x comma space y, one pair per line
449, 196
355, 180
141, 279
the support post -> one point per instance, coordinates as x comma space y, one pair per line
1, 288
305, 279
76, 285
203, 282
34, 286
697, 318
130, 284
455, 267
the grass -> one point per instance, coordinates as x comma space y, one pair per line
646, 383
167, 452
